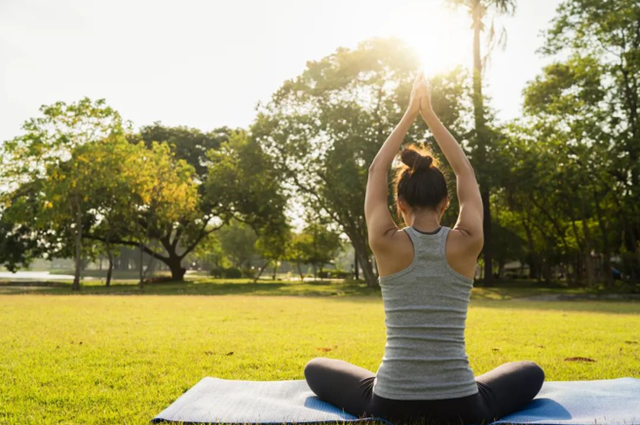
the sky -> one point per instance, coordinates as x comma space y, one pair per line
208, 63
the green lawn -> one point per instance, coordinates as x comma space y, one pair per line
103, 358
203, 285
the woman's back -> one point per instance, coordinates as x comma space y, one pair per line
426, 309
426, 282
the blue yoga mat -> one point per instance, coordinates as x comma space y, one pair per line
212, 400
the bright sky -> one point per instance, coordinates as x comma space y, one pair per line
208, 63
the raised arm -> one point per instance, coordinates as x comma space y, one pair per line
380, 224
471, 213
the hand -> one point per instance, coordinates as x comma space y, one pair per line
417, 91
425, 100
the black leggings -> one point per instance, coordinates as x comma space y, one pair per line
501, 391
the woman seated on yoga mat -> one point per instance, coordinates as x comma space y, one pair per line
426, 275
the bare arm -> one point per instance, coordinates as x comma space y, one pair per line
380, 224
471, 213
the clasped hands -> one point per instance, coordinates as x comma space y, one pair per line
420, 99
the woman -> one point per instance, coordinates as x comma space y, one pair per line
426, 275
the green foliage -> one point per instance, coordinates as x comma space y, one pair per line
74, 177
316, 245
334, 274
18, 243
238, 242
324, 128
227, 273
50, 138
49, 187
243, 184
563, 182
571, 190
186, 143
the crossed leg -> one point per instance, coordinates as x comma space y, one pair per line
501, 391
510, 386
341, 383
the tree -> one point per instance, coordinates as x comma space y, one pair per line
238, 242
244, 185
562, 191
191, 146
188, 144
115, 192
480, 11
40, 159
322, 247
273, 246
143, 196
20, 239
163, 195
67, 198
115, 181
324, 128
298, 251
609, 33
168, 197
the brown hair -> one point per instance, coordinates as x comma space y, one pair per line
418, 180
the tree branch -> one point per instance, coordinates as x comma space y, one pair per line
135, 244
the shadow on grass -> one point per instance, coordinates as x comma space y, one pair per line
194, 287
507, 296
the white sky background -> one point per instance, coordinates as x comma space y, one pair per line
207, 63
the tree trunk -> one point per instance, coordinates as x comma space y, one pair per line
501, 269
264, 266
141, 282
546, 271
588, 245
577, 272
487, 250
481, 142
635, 247
534, 267
300, 271
364, 260
175, 266
533, 271
110, 265
78, 250
356, 272
367, 270
606, 250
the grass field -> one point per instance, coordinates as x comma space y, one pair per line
101, 358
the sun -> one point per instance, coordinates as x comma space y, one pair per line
439, 34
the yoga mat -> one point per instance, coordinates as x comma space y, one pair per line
212, 400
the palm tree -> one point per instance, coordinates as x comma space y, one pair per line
480, 12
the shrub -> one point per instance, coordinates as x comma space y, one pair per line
227, 273
248, 273
334, 274
158, 279
341, 274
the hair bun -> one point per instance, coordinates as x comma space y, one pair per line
415, 160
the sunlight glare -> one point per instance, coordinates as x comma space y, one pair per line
440, 35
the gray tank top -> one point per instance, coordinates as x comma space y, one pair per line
425, 309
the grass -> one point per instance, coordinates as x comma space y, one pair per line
204, 285
196, 286
104, 358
